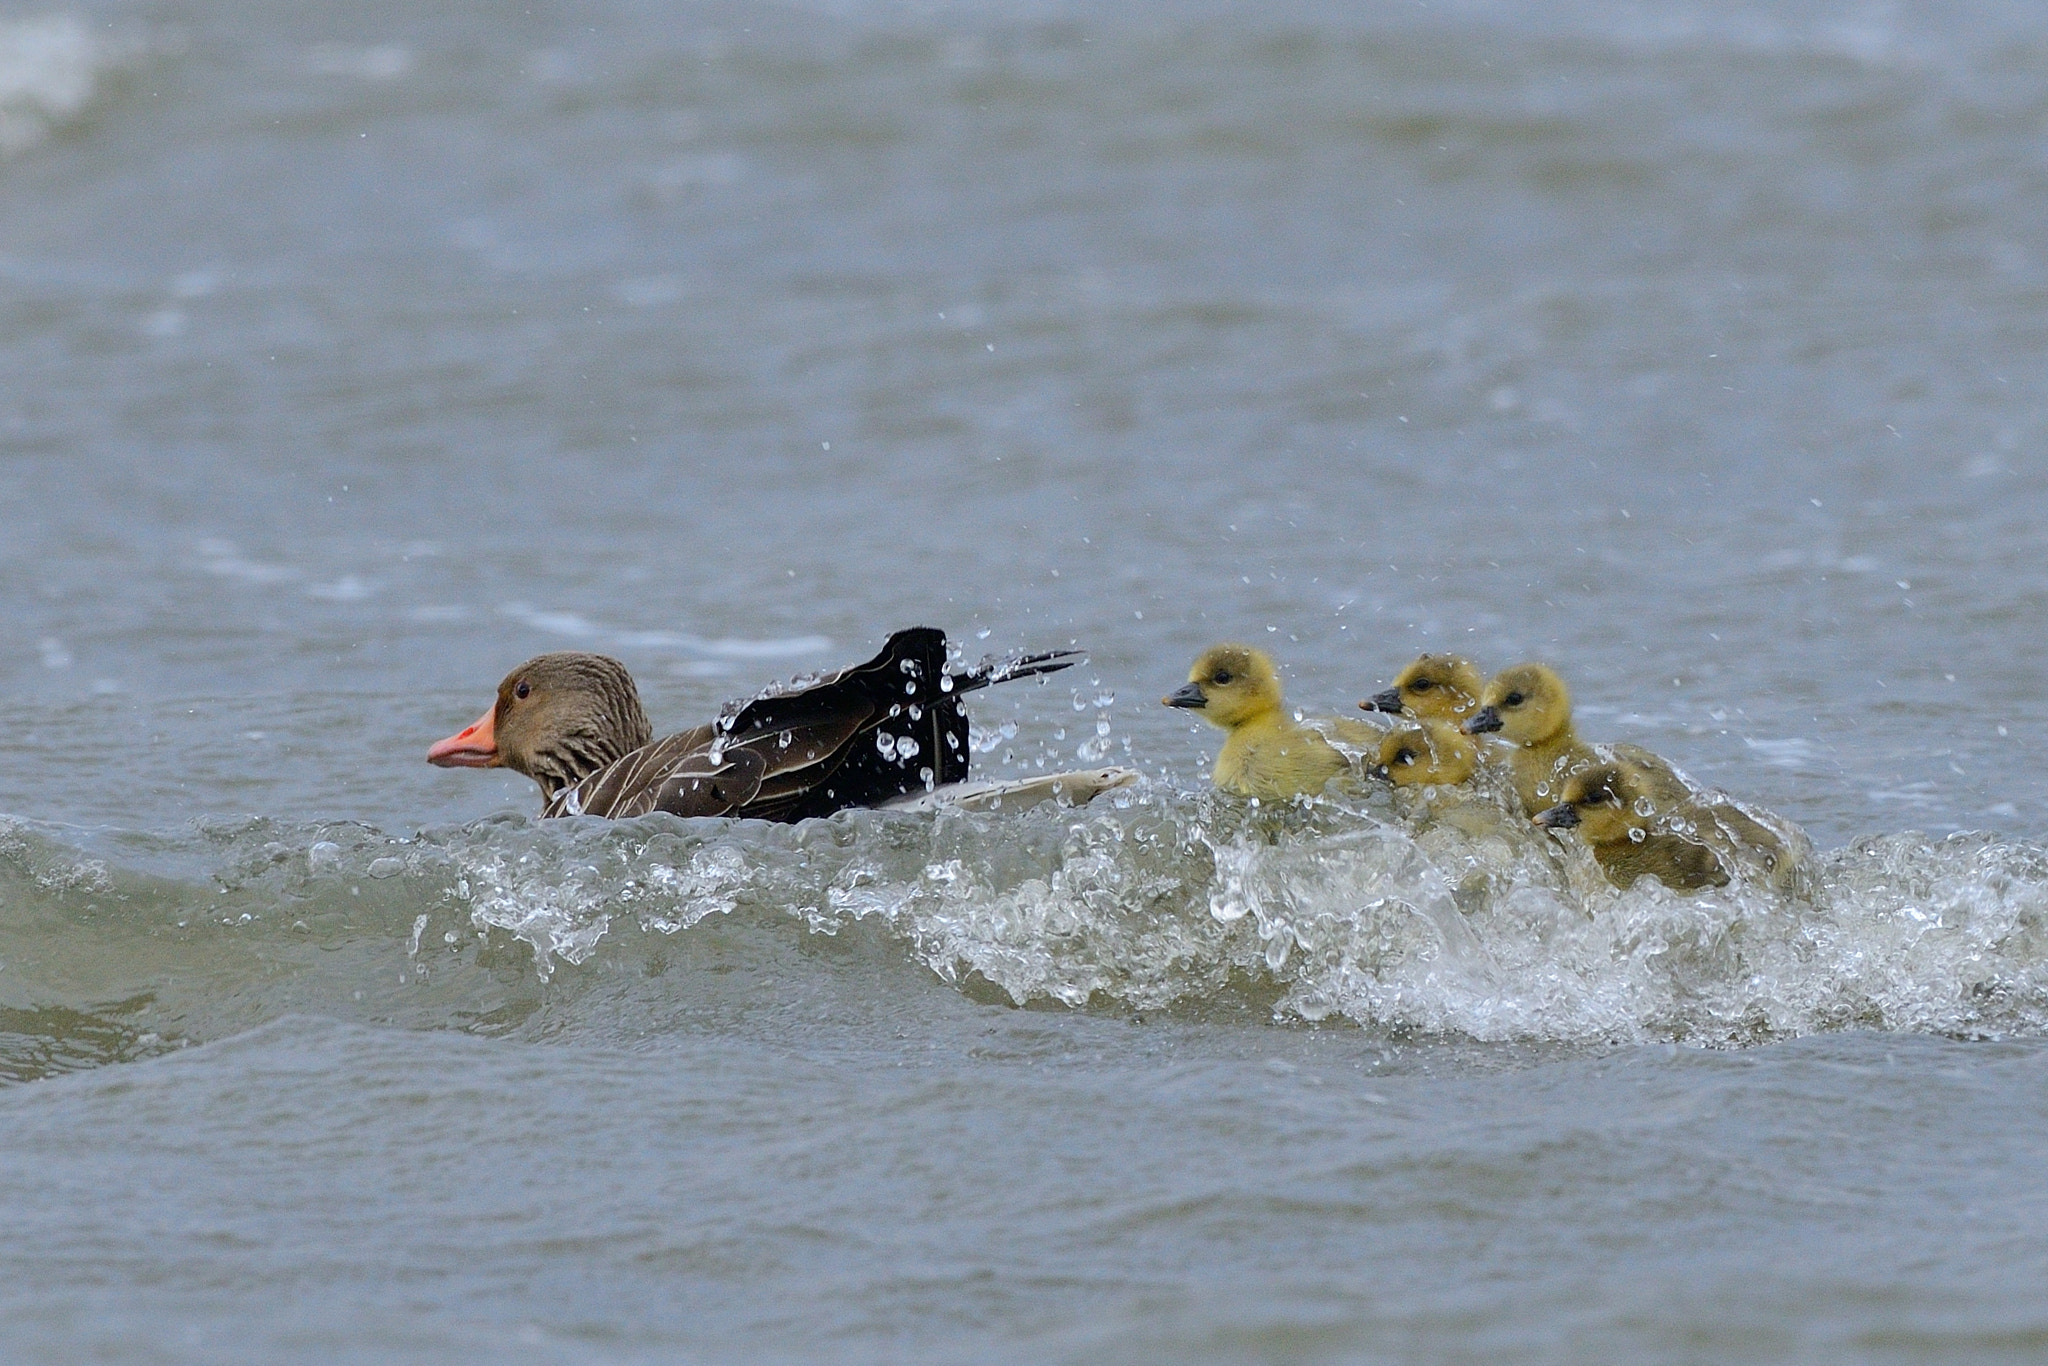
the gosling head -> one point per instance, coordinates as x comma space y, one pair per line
1434, 687
558, 719
1424, 756
1605, 804
1527, 704
1229, 685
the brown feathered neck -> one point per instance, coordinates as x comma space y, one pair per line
561, 717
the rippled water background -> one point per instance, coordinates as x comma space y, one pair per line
352, 354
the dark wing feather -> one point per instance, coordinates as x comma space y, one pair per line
627, 785
879, 730
702, 786
1001, 670
796, 759
704, 772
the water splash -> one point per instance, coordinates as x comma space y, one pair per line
1431, 913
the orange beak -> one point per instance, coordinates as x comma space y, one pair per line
472, 747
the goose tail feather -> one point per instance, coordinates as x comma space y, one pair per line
1001, 670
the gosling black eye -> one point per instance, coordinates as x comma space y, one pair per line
1420, 685
520, 689
1513, 699
1404, 756
1222, 678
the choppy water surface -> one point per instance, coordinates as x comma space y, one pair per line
355, 353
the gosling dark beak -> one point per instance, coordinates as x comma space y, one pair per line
1557, 818
1482, 722
1381, 772
1390, 700
1187, 695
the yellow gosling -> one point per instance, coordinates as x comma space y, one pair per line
1612, 809
1751, 842
1266, 754
1433, 688
1530, 707
1433, 754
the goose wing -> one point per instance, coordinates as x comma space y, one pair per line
797, 758
886, 728
676, 773
699, 773
858, 737
707, 773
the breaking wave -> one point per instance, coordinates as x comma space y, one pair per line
1433, 916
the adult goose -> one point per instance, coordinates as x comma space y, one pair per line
861, 736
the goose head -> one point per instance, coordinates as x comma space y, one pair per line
1434, 688
1425, 756
558, 718
1230, 685
1605, 804
1527, 705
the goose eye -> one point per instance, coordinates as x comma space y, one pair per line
520, 689
1404, 756
1420, 685
1222, 678
1513, 699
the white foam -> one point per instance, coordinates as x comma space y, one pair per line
1432, 918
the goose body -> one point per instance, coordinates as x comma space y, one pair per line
860, 736
1266, 753
1704, 839
1530, 707
1610, 806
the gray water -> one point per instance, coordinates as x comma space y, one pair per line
354, 353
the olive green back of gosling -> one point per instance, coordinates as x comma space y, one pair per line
1611, 807
1676, 862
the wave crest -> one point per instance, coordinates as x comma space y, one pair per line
1432, 916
